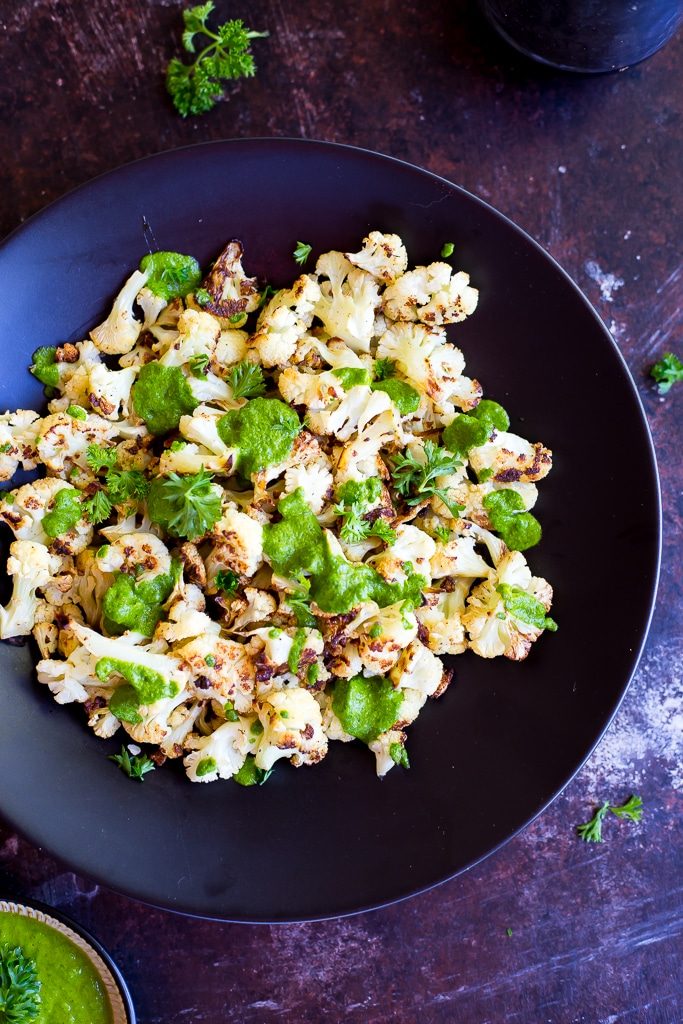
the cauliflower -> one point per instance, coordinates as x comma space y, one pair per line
31, 565
90, 585
198, 335
109, 390
228, 674
63, 441
155, 725
493, 627
431, 295
230, 348
231, 292
284, 321
348, 300
71, 680
419, 669
181, 722
412, 346
253, 606
413, 547
219, 755
458, 557
184, 621
165, 329
316, 391
142, 555
238, 545
128, 649
25, 514
441, 617
18, 432
315, 479
385, 635
383, 256
508, 458
202, 428
120, 330
191, 458
151, 306
292, 728
382, 747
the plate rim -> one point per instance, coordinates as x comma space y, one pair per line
649, 608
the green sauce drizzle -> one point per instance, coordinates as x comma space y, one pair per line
206, 766
66, 512
405, 398
150, 686
171, 275
366, 707
263, 430
129, 604
296, 650
517, 528
352, 376
161, 395
471, 431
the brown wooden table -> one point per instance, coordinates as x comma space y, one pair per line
588, 166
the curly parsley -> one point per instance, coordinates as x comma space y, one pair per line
416, 481
667, 372
135, 766
591, 831
226, 54
246, 380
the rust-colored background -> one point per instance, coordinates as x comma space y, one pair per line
590, 167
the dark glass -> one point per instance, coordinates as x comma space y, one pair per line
585, 35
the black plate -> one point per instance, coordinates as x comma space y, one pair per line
506, 737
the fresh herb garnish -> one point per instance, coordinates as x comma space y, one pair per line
135, 766
442, 533
120, 485
195, 88
227, 581
356, 527
246, 380
667, 372
447, 250
19, 987
299, 601
99, 457
266, 295
415, 480
199, 365
591, 831
250, 775
302, 252
186, 506
399, 755
385, 369
97, 508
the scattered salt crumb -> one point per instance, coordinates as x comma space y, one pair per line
622, 146
134, 749
638, 256
616, 329
562, 169
608, 283
627, 235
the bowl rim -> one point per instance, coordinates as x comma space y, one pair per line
86, 936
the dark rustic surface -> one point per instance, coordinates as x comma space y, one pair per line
587, 166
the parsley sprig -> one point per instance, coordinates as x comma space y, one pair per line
591, 831
246, 380
356, 527
415, 480
302, 252
299, 600
135, 766
667, 372
120, 485
187, 506
19, 987
196, 87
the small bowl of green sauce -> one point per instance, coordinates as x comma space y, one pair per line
54, 972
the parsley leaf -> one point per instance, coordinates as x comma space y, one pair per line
385, 369
195, 87
124, 484
266, 295
98, 507
198, 366
187, 506
591, 831
667, 372
447, 250
246, 380
415, 480
227, 581
135, 766
99, 457
302, 252
356, 527
399, 755
19, 987
632, 809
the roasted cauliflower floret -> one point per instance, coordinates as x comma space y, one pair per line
509, 458
441, 617
231, 293
228, 674
109, 390
383, 256
433, 295
385, 635
119, 332
31, 565
348, 300
18, 433
142, 555
238, 545
506, 613
292, 728
284, 321
198, 335
219, 755
419, 669
63, 441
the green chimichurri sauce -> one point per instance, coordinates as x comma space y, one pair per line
71, 991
